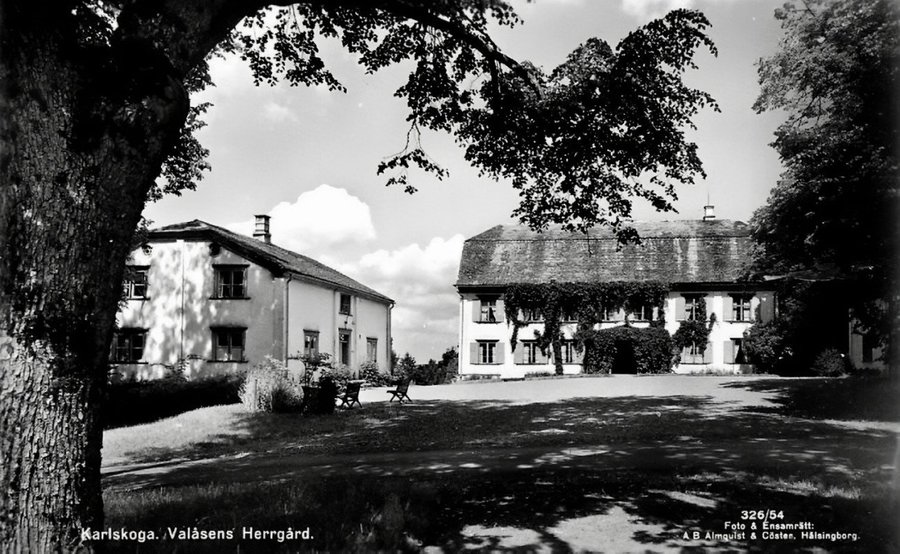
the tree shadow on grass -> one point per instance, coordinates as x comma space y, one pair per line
847, 399
614, 474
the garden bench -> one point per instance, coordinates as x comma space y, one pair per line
400, 391
351, 395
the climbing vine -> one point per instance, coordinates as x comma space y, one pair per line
695, 330
584, 303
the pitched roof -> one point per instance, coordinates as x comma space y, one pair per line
276, 259
685, 251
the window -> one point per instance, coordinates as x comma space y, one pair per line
345, 304
344, 345
531, 353
128, 345
532, 314
737, 346
231, 281
691, 354
610, 314
869, 343
487, 352
692, 304
228, 344
488, 310
567, 350
310, 344
643, 312
740, 307
569, 315
134, 286
371, 350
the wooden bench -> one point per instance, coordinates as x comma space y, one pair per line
400, 392
351, 395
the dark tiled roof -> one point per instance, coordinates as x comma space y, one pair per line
694, 251
278, 260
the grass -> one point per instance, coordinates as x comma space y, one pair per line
492, 475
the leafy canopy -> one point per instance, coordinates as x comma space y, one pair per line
834, 214
580, 142
836, 76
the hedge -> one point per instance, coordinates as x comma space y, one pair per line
134, 402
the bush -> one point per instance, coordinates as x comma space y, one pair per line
764, 346
646, 350
830, 363
268, 388
134, 402
369, 373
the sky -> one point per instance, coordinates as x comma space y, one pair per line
308, 157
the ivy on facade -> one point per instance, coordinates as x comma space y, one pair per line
584, 303
641, 350
695, 331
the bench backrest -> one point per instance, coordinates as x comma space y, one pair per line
403, 386
352, 389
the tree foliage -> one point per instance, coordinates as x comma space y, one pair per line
835, 209
580, 142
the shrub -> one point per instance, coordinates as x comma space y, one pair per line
369, 373
134, 402
268, 388
648, 350
285, 398
830, 363
764, 346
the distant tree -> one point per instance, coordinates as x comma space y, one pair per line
835, 211
407, 365
95, 107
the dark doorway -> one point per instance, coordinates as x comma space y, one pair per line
624, 361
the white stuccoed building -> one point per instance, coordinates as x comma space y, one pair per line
697, 259
213, 301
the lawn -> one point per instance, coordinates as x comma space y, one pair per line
617, 464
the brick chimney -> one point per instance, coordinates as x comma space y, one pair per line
709, 212
261, 231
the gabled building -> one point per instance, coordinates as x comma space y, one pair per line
210, 301
702, 262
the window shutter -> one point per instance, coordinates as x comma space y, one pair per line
500, 314
766, 308
498, 352
519, 354
679, 308
473, 353
707, 354
476, 310
728, 346
728, 308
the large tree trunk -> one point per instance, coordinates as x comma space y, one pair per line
82, 140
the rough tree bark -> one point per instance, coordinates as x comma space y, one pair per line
78, 157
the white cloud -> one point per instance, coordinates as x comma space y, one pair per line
651, 9
320, 220
278, 113
420, 280
645, 10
